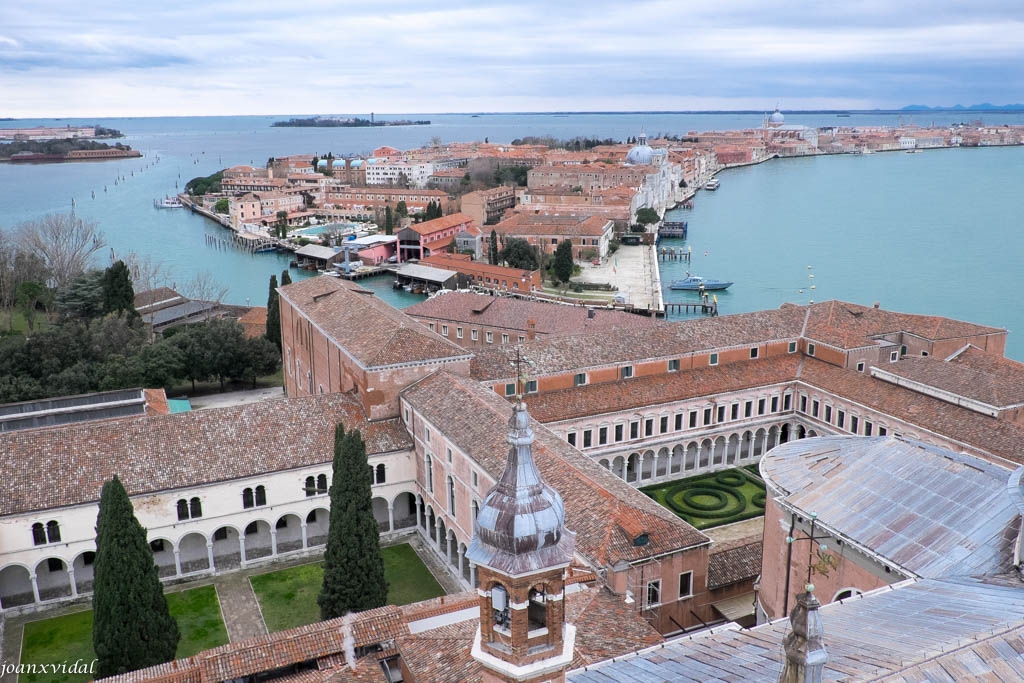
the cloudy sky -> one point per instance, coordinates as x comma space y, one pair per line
188, 57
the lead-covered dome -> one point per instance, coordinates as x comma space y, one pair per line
777, 118
641, 154
521, 524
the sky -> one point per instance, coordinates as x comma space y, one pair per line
230, 57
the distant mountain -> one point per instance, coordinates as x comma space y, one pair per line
984, 106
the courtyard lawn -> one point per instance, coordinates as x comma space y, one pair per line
288, 597
69, 638
714, 499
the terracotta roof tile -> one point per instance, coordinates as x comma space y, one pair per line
164, 452
606, 626
442, 655
731, 565
993, 380
442, 223
370, 330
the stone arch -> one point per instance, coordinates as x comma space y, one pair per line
632, 467
719, 451
603, 462
732, 449
318, 521
772, 439
801, 432
83, 565
662, 462
163, 555
467, 573
193, 554
442, 536
453, 548
431, 520
704, 456
258, 541
760, 442
619, 467
404, 510
227, 548
675, 464
746, 445
380, 514
811, 432
288, 528
848, 592
53, 579
647, 464
690, 462
15, 586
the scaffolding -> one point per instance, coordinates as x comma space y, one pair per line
646, 599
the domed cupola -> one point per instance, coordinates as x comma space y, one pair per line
521, 524
641, 154
776, 119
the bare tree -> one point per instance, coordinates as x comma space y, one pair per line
64, 242
203, 287
146, 273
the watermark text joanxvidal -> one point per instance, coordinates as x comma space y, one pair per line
79, 666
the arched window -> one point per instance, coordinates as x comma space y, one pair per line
321, 483
451, 495
311, 517
476, 511
38, 534
380, 474
846, 593
310, 486
247, 500
53, 531
282, 523
261, 495
499, 606
537, 609
430, 474
182, 509
252, 528
195, 508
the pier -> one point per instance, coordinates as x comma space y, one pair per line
674, 254
676, 229
706, 306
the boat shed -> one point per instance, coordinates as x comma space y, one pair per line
315, 257
431, 279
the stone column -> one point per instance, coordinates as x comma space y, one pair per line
241, 549
472, 573
419, 514
305, 537
462, 558
273, 541
209, 554
177, 562
35, 586
391, 517
71, 576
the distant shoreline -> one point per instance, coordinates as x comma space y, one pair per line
317, 122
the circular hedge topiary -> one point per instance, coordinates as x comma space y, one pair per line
759, 499
730, 478
724, 506
689, 494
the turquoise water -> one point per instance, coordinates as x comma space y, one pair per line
934, 233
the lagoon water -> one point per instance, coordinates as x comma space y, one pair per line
937, 232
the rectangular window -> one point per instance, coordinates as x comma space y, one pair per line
828, 414
521, 339
814, 408
476, 480
654, 593
840, 419
504, 339
893, 356
627, 372
693, 419
426, 433
882, 431
713, 360
474, 335
649, 426
458, 333
868, 428
430, 326
634, 430
618, 433
734, 412
449, 454
860, 366
663, 424
748, 409
760, 406
753, 353
444, 330
602, 436
792, 347
787, 401
679, 422
775, 404
707, 416
571, 437
685, 584
854, 423
810, 349
587, 438
510, 389
490, 337
580, 379
673, 365
803, 404
721, 414
531, 386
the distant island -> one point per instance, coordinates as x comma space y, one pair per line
984, 106
70, 149
331, 122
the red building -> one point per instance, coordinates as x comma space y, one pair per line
419, 240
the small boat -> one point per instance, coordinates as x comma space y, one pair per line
167, 203
696, 283
913, 151
711, 185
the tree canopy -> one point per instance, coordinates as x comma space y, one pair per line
563, 263
647, 216
273, 332
132, 626
519, 254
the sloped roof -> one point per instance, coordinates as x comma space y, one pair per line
442, 223
605, 512
928, 510
372, 332
993, 380
165, 452
729, 565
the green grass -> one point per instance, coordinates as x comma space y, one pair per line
671, 496
14, 320
184, 388
288, 597
69, 638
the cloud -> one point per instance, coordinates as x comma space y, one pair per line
351, 57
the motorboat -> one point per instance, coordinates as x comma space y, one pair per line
696, 283
711, 185
167, 203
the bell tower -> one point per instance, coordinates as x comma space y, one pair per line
521, 549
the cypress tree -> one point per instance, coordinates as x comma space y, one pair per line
286, 277
132, 626
388, 221
492, 249
118, 293
273, 314
353, 566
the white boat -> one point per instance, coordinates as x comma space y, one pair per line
168, 203
711, 185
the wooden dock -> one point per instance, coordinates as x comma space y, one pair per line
674, 229
707, 306
673, 254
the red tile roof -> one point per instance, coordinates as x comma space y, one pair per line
993, 380
442, 223
543, 224
734, 563
165, 452
371, 331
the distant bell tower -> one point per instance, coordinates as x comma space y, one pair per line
522, 548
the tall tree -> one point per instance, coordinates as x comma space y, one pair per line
353, 567
63, 242
563, 261
518, 253
401, 209
273, 315
286, 277
118, 292
132, 627
492, 249
389, 225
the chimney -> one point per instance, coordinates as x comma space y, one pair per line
804, 644
531, 329
876, 304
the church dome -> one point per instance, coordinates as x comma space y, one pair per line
777, 118
641, 154
521, 523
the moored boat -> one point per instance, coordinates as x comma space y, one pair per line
167, 203
695, 283
711, 185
